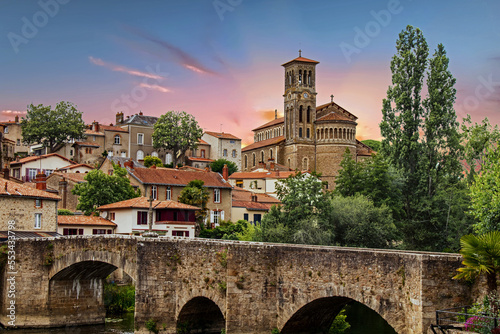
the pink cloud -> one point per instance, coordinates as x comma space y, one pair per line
155, 87
118, 68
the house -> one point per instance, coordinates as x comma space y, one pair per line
170, 218
199, 157
27, 211
260, 180
223, 146
62, 183
12, 131
7, 147
167, 184
84, 225
76, 168
251, 206
27, 168
107, 164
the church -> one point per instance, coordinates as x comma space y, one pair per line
309, 137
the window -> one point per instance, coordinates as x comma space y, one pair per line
216, 218
180, 233
124, 154
246, 162
168, 158
262, 156
300, 132
224, 153
48, 172
216, 195
168, 194
140, 155
239, 183
88, 150
308, 133
110, 154
142, 218
38, 220
140, 139
31, 174
176, 216
117, 140
6, 129
253, 156
72, 231
154, 154
231, 141
38, 203
112, 216
154, 192
18, 142
93, 138
308, 114
245, 216
233, 154
99, 231
257, 217
71, 152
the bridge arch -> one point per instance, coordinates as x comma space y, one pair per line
201, 315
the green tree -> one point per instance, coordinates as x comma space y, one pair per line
356, 222
197, 195
477, 138
351, 178
177, 132
218, 164
52, 128
481, 256
150, 161
485, 194
373, 144
101, 189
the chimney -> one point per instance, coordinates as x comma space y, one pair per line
207, 169
6, 172
275, 113
272, 165
254, 197
262, 164
16, 119
119, 117
153, 166
128, 164
225, 172
95, 126
63, 192
41, 181
18, 158
140, 113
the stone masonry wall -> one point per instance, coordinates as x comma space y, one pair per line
25, 218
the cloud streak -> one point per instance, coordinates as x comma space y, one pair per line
12, 113
179, 56
123, 69
154, 87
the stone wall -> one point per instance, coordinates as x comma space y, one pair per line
25, 218
255, 286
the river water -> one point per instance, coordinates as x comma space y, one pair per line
362, 319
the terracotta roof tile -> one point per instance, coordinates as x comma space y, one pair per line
75, 166
13, 189
202, 142
222, 135
263, 143
239, 194
262, 175
252, 205
143, 203
170, 176
85, 144
93, 133
334, 116
84, 220
112, 128
302, 59
200, 159
38, 157
276, 121
336, 107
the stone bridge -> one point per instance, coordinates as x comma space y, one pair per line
242, 287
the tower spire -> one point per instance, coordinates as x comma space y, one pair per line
300, 53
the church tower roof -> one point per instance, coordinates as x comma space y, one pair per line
301, 59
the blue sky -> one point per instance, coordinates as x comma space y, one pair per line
220, 60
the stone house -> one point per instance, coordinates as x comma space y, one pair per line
170, 218
199, 157
7, 148
27, 168
84, 225
12, 131
260, 180
62, 184
140, 129
223, 146
309, 136
28, 209
167, 184
251, 206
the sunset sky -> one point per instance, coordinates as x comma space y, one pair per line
221, 60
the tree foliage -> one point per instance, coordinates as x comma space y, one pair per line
227, 230
177, 132
197, 195
150, 161
101, 189
52, 127
373, 144
218, 164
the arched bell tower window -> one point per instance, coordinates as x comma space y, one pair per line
300, 114
308, 114
300, 132
300, 77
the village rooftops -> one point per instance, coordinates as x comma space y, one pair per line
138, 119
38, 157
84, 221
263, 143
176, 177
13, 189
262, 175
74, 166
276, 121
222, 135
143, 203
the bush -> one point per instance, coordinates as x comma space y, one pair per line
65, 212
119, 299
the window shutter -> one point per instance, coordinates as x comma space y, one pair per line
211, 216
80, 231
222, 215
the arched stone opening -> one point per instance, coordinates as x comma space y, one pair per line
201, 315
317, 317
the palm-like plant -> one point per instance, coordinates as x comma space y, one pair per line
481, 255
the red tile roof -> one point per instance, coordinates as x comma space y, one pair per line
262, 175
222, 135
252, 205
363, 149
86, 144
336, 106
202, 142
84, 221
142, 203
334, 116
239, 194
176, 177
112, 128
302, 59
276, 121
38, 157
263, 143
93, 133
75, 166
200, 159
13, 189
